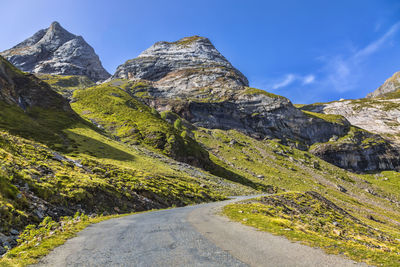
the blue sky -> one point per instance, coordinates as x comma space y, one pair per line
309, 51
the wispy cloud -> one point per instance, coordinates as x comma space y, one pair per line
377, 44
292, 78
308, 79
342, 72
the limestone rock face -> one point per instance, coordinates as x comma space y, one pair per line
191, 78
391, 85
379, 116
181, 67
359, 151
56, 51
25, 90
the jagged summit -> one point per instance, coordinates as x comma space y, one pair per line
391, 85
189, 51
191, 62
191, 78
54, 50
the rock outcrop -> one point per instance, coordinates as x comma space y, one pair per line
25, 90
391, 85
191, 78
179, 68
56, 51
359, 151
379, 116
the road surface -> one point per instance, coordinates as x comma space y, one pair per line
188, 236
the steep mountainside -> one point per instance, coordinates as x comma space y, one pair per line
56, 51
27, 91
109, 152
54, 163
191, 78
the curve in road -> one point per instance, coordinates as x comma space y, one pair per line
187, 236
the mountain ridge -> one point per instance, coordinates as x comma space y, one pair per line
192, 132
54, 50
191, 78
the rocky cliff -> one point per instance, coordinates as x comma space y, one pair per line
380, 116
179, 68
191, 78
56, 51
25, 90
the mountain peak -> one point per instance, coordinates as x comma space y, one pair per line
194, 59
199, 49
391, 85
191, 40
54, 50
55, 26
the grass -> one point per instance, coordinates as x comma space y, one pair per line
36, 242
315, 221
125, 117
133, 122
357, 137
129, 154
187, 40
255, 91
338, 119
66, 84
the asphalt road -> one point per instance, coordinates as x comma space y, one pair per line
188, 236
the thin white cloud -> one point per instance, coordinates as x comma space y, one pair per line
377, 44
290, 78
342, 73
308, 79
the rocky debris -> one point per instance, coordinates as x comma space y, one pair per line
25, 90
14, 232
370, 191
300, 203
56, 51
61, 158
341, 188
391, 85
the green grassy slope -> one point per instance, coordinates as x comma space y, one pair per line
66, 84
116, 152
54, 162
